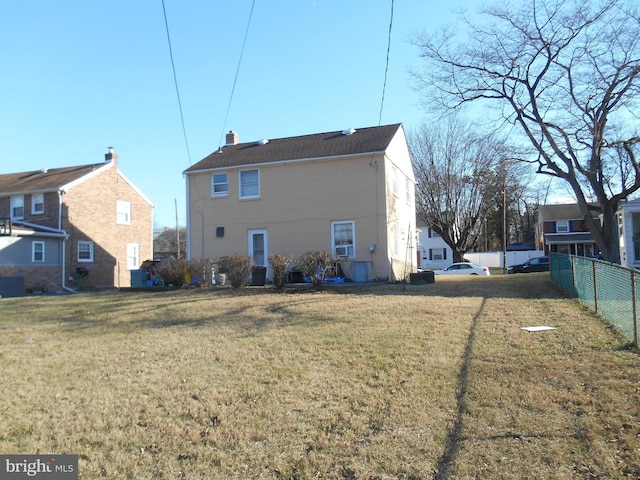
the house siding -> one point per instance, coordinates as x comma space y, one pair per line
296, 206
16, 261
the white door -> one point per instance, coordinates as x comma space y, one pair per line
258, 247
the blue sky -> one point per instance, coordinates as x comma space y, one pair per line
80, 76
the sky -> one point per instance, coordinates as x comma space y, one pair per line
81, 76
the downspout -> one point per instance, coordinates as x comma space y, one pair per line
64, 245
64, 264
186, 177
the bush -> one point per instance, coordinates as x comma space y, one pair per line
316, 266
171, 271
237, 268
201, 270
279, 263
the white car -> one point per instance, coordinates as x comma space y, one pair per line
463, 268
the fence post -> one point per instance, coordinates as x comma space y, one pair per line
573, 275
595, 285
635, 310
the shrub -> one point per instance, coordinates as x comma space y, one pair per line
237, 268
171, 271
316, 266
279, 263
201, 270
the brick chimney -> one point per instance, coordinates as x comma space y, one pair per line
111, 156
232, 138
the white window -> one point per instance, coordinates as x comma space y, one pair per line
123, 212
37, 203
17, 208
37, 252
343, 238
85, 251
219, 184
409, 190
249, 184
133, 256
432, 233
562, 226
437, 254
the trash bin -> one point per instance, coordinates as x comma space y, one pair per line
422, 278
258, 276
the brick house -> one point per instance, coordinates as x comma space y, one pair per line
79, 227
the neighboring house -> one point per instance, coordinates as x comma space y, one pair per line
629, 232
170, 243
347, 192
561, 229
73, 227
433, 252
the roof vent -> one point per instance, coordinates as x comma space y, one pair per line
43, 170
349, 131
262, 141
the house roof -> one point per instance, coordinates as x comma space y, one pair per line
51, 179
566, 211
21, 229
305, 147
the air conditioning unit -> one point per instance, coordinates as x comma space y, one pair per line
342, 251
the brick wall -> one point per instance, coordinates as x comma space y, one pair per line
48, 278
89, 213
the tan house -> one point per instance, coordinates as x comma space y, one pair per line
77, 227
348, 192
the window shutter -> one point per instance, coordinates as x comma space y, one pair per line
444, 253
431, 254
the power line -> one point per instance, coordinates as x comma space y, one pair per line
386, 67
235, 79
175, 81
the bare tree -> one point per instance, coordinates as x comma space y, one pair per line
458, 175
566, 73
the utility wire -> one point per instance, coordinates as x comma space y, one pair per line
175, 81
235, 79
386, 67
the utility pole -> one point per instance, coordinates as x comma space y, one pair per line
504, 225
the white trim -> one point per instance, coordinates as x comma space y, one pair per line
248, 166
258, 231
137, 190
85, 260
248, 197
352, 246
33, 203
66, 188
222, 194
33, 251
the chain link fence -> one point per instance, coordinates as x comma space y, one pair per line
609, 290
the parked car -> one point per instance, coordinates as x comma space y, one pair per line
537, 264
463, 268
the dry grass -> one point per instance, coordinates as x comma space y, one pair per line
430, 381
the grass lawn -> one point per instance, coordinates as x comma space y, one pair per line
377, 382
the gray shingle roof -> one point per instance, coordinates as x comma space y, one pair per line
567, 211
319, 145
